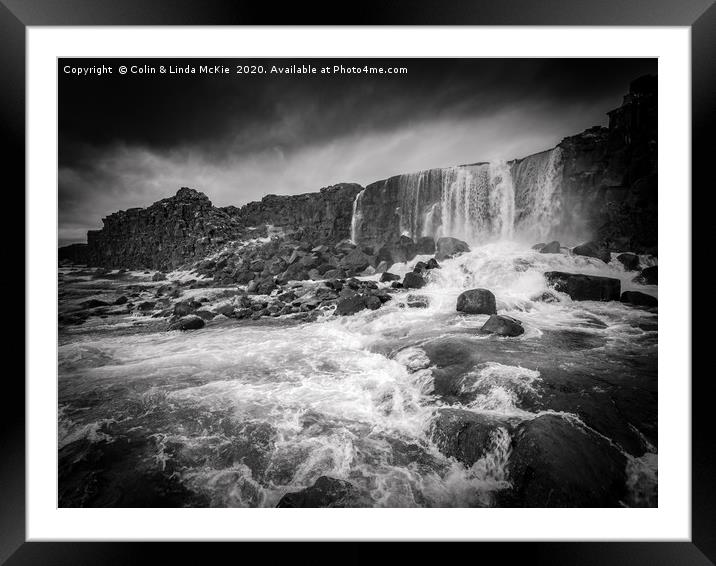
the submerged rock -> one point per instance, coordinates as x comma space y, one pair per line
503, 325
584, 287
648, 276
557, 463
639, 299
477, 301
418, 301
552, 247
630, 261
449, 247
189, 322
387, 276
593, 249
326, 492
465, 435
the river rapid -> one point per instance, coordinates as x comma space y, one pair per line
239, 413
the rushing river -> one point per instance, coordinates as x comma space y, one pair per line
240, 413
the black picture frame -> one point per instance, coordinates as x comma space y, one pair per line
17, 15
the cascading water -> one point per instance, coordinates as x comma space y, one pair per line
477, 203
357, 217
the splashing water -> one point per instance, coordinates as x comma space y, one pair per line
238, 414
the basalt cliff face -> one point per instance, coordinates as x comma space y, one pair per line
600, 184
178, 230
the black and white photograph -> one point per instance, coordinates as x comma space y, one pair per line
337, 282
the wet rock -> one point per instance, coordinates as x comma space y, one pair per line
146, 305
350, 305
420, 268
539, 246
242, 277
465, 435
396, 285
476, 301
121, 300
326, 492
503, 325
556, 463
417, 301
546, 297
432, 264
413, 281
593, 249
582, 287
387, 276
630, 261
373, 302
189, 322
205, 314
159, 276
425, 246
639, 299
550, 248
449, 247
648, 276
226, 309
266, 286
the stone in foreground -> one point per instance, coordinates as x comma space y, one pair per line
465, 435
584, 287
326, 492
558, 463
190, 322
477, 301
503, 325
639, 299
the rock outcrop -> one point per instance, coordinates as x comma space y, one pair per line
74, 253
582, 287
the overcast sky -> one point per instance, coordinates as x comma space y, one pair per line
130, 140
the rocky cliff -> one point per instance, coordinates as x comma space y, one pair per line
164, 235
180, 229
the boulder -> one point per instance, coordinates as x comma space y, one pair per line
387, 276
326, 492
243, 277
356, 260
225, 309
449, 247
183, 308
648, 276
503, 325
351, 305
593, 249
432, 264
146, 305
639, 299
539, 246
550, 248
476, 301
159, 276
425, 246
121, 300
630, 261
189, 322
558, 463
465, 435
582, 287
373, 302
383, 266
413, 281
335, 274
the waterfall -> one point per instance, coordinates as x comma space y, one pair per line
539, 179
357, 217
476, 203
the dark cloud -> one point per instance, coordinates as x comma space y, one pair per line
130, 140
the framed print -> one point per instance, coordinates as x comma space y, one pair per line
359, 283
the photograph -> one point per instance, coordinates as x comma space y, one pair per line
342, 282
